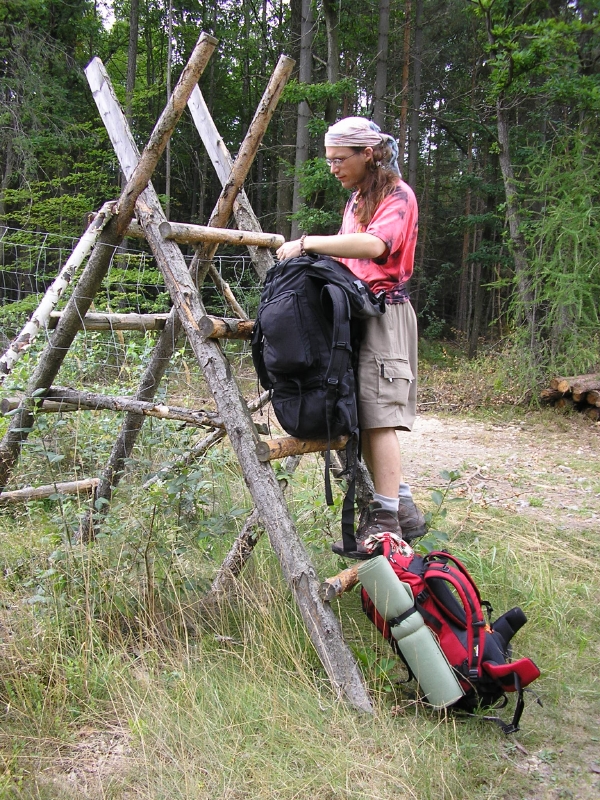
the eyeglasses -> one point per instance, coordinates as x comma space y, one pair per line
337, 162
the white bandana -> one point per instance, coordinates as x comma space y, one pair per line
352, 132
362, 132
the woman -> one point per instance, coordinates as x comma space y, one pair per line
377, 243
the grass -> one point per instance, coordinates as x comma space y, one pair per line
117, 681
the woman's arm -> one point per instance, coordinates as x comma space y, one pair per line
342, 245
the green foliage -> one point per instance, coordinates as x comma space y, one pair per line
436, 539
564, 240
317, 94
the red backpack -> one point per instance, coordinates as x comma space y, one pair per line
478, 650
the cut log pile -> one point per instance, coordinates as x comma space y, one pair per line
580, 392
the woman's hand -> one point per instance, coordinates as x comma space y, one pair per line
289, 250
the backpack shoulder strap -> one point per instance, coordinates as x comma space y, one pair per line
341, 350
437, 568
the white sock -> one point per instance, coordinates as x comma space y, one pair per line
386, 503
404, 491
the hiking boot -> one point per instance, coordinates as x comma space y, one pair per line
410, 519
374, 520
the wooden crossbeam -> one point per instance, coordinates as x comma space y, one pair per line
92, 401
270, 449
224, 328
84, 486
184, 233
338, 584
98, 321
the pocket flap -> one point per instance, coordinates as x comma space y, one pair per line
394, 368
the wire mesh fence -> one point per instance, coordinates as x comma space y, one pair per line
29, 262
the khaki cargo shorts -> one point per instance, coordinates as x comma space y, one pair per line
387, 370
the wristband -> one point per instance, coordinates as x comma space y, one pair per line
302, 248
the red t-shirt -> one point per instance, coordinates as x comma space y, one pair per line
396, 223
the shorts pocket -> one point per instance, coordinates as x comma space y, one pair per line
394, 379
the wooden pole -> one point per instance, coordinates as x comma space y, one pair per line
92, 401
340, 583
270, 449
223, 328
194, 234
8, 404
85, 485
138, 169
98, 321
235, 179
208, 441
260, 478
91, 278
245, 217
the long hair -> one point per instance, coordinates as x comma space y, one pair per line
380, 181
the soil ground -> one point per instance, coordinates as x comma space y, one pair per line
543, 466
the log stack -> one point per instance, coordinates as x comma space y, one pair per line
580, 392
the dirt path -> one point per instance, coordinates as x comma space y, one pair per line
543, 466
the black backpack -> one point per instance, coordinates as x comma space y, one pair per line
305, 346
305, 342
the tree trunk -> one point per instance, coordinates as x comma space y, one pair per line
513, 214
134, 19
382, 60
513, 211
413, 149
404, 85
302, 133
330, 10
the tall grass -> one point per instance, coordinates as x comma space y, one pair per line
118, 680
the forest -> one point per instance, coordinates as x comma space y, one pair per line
494, 104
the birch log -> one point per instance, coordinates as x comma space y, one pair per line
301, 577
245, 217
40, 317
98, 321
97, 266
